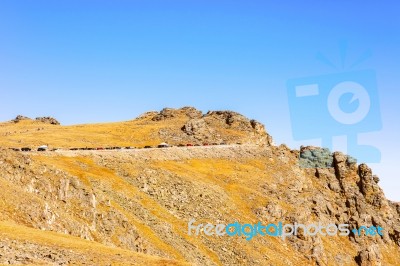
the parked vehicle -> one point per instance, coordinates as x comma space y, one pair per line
26, 149
42, 148
189, 145
163, 145
147, 147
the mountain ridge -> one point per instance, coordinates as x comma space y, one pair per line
141, 200
176, 126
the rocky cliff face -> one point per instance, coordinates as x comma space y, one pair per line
133, 206
212, 126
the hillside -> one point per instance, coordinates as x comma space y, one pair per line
177, 126
133, 206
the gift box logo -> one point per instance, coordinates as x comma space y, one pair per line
338, 104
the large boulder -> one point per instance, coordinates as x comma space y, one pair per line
20, 118
370, 256
48, 120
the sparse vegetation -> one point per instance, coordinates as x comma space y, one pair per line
132, 206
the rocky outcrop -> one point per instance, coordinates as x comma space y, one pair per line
230, 118
199, 129
141, 199
315, 157
348, 194
158, 189
342, 164
20, 118
147, 115
47, 120
213, 127
370, 256
168, 113
213, 122
369, 186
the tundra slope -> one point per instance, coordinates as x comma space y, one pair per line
133, 206
176, 126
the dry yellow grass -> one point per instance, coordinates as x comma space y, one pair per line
236, 186
100, 253
138, 132
34, 134
241, 187
92, 171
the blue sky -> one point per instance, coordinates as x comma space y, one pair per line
97, 61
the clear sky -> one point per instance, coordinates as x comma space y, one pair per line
96, 61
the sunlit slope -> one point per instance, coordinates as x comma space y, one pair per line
142, 200
133, 206
33, 134
51, 247
151, 128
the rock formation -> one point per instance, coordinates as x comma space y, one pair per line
20, 118
141, 200
48, 120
